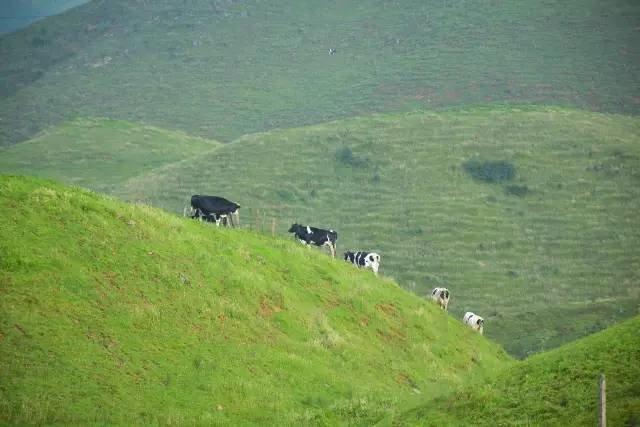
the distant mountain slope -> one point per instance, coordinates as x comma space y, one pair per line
223, 68
559, 242
121, 314
100, 154
558, 388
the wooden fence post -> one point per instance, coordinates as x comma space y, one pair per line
273, 226
603, 401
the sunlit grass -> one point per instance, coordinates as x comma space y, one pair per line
556, 388
123, 314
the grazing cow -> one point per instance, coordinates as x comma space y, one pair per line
441, 296
319, 237
364, 259
474, 321
214, 209
332, 51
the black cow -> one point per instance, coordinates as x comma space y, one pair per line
319, 237
214, 209
364, 259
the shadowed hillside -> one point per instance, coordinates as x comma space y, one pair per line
223, 68
557, 388
122, 314
16, 14
521, 213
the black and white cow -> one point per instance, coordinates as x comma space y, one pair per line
364, 260
473, 321
441, 297
319, 237
213, 209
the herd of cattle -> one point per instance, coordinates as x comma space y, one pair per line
222, 211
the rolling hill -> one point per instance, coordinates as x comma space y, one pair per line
112, 313
551, 241
100, 154
548, 242
558, 388
224, 68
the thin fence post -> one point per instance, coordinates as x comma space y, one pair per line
257, 224
603, 401
273, 226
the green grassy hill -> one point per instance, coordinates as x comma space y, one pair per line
224, 68
100, 154
558, 388
122, 314
545, 243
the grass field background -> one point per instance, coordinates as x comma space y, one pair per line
120, 314
558, 388
489, 147
221, 69
101, 154
546, 257
136, 316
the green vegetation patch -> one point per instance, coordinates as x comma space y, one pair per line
100, 154
491, 171
113, 313
544, 243
221, 69
556, 388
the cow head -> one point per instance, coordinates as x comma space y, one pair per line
294, 228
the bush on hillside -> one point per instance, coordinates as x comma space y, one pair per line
345, 156
516, 190
490, 171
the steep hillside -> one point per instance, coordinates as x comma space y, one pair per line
122, 314
560, 227
98, 153
557, 388
223, 68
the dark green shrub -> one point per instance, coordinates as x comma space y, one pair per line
516, 190
490, 171
345, 155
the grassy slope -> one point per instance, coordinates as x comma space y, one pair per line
223, 68
100, 154
559, 387
395, 184
124, 314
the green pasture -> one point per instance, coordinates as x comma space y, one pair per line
558, 242
222, 69
556, 388
119, 314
